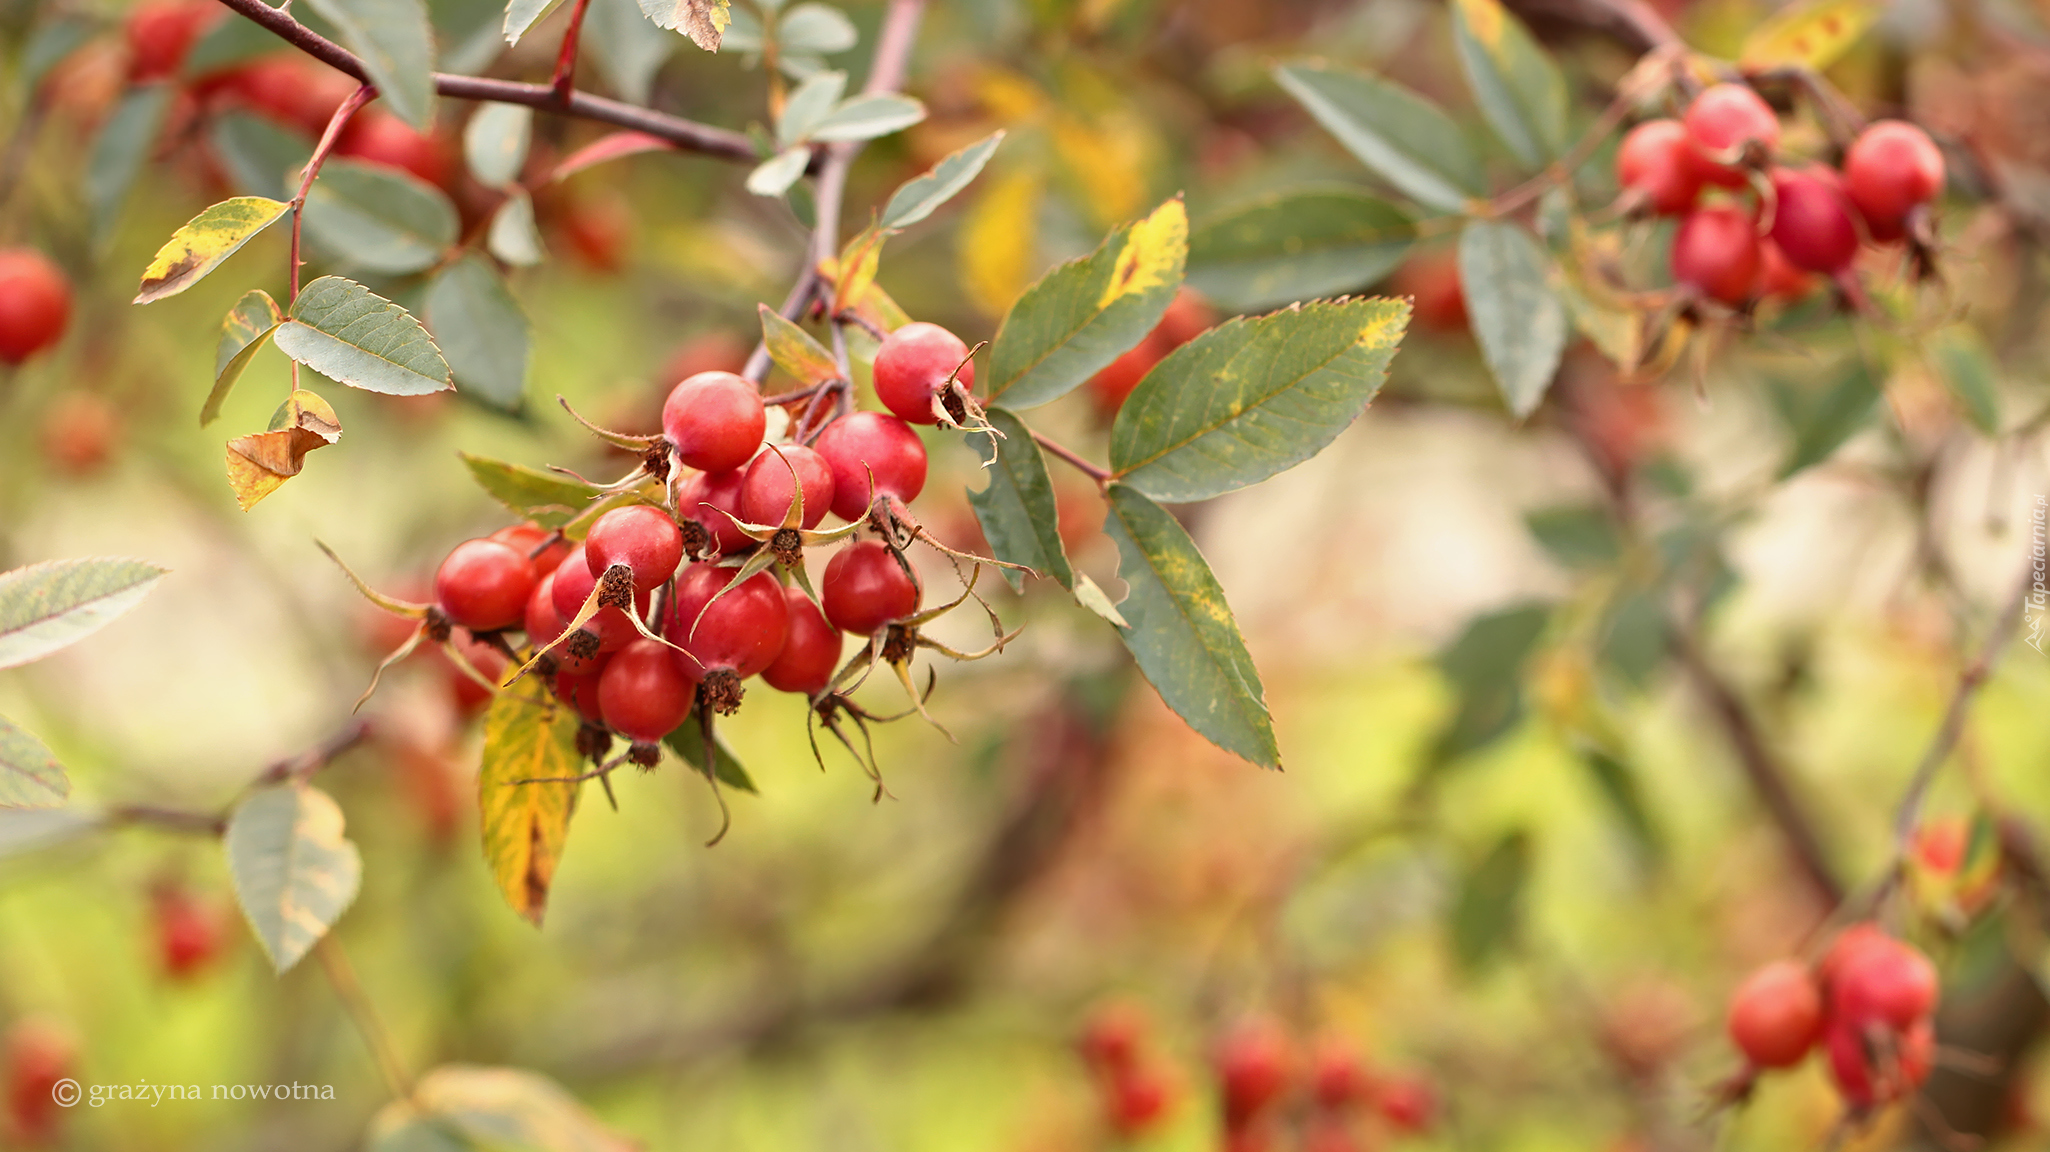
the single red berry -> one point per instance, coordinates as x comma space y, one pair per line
768, 490
1339, 1078
190, 932
39, 1056
1715, 251
580, 689
1778, 279
722, 491
1850, 944
1437, 298
1886, 982
483, 585
1114, 1037
741, 632
1874, 1066
377, 137
1776, 1015
1137, 1099
811, 649
1409, 1103
35, 303
1254, 1065
161, 33
913, 364
1891, 167
1723, 119
871, 447
599, 230
1940, 843
715, 420
867, 586
1812, 219
644, 539
542, 548
573, 584
80, 432
642, 693
1659, 161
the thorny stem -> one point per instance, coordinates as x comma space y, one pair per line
1102, 476
357, 99
566, 61
342, 975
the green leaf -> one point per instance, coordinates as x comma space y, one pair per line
1517, 86
348, 333
1088, 312
1403, 137
471, 33
1634, 637
1016, 508
689, 744
1517, 318
521, 15
232, 41
1488, 913
30, 776
808, 105
550, 499
774, 176
1577, 536
513, 237
1617, 783
119, 152
481, 331
1182, 632
52, 605
1253, 397
626, 47
704, 21
495, 142
49, 45
465, 1108
794, 350
1297, 246
378, 218
1821, 423
206, 240
1485, 665
919, 196
867, 117
258, 155
812, 29
294, 871
243, 332
1967, 366
396, 44
528, 735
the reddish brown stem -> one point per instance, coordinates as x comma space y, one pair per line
1101, 475
356, 100
566, 60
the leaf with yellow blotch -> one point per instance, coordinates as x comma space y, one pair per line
1087, 312
999, 238
294, 871
205, 241
855, 271
871, 305
1518, 88
1810, 35
243, 332
529, 735
794, 350
258, 464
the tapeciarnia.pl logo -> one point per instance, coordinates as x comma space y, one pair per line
2039, 593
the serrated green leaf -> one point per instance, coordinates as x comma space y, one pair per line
1253, 397
1182, 632
867, 117
919, 196
520, 15
1967, 366
1403, 137
1299, 245
550, 499
1488, 913
1016, 507
1518, 320
626, 47
495, 142
689, 744
513, 237
348, 333
481, 331
774, 176
52, 605
1517, 86
294, 871
465, 1108
812, 29
206, 240
30, 776
378, 218
119, 152
528, 735
1821, 422
258, 154
808, 105
395, 41
1578, 536
1088, 312
794, 350
243, 331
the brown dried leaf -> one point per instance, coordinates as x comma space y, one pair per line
258, 464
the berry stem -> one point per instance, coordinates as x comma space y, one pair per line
1102, 476
357, 99
342, 975
566, 61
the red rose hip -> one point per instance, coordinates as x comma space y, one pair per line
811, 649
715, 420
767, 492
1715, 250
35, 303
1811, 220
573, 584
913, 364
1659, 161
741, 632
1891, 168
720, 490
642, 694
867, 586
483, 585
1254, 1067
161, 34
861, 446
1776, 1015
1723, 120
644, 539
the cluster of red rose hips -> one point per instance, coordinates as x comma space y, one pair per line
1799, 218
1868, 1004
1268, 1096
661, 612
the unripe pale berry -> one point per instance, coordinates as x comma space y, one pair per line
35, 303
1776, 1015
767, 492
644, 539
1715, 250
913, 364
642, 694
742, 632
1890, 168
1812, 219
715, 420
811, 649
865, 447
867, 586
483, 585
1658, 160
1722, 120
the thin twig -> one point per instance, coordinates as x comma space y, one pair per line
357, 99
1100, 475
342, 975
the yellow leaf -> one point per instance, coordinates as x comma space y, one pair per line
999, 239
259, 464
1108, 157
528, 735
1811, 34
205, 241
1153, 254
857, 268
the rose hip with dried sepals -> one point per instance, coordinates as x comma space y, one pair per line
1726, 119
767, 492
1875, 1066
642, 693
644, 539
534, 542
868, 585
1715, 250
544, 623
483, 585
913, 365
1891, 168
573, 584
870, 447
1660, 162
725, 638
1812, 221
715, 421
